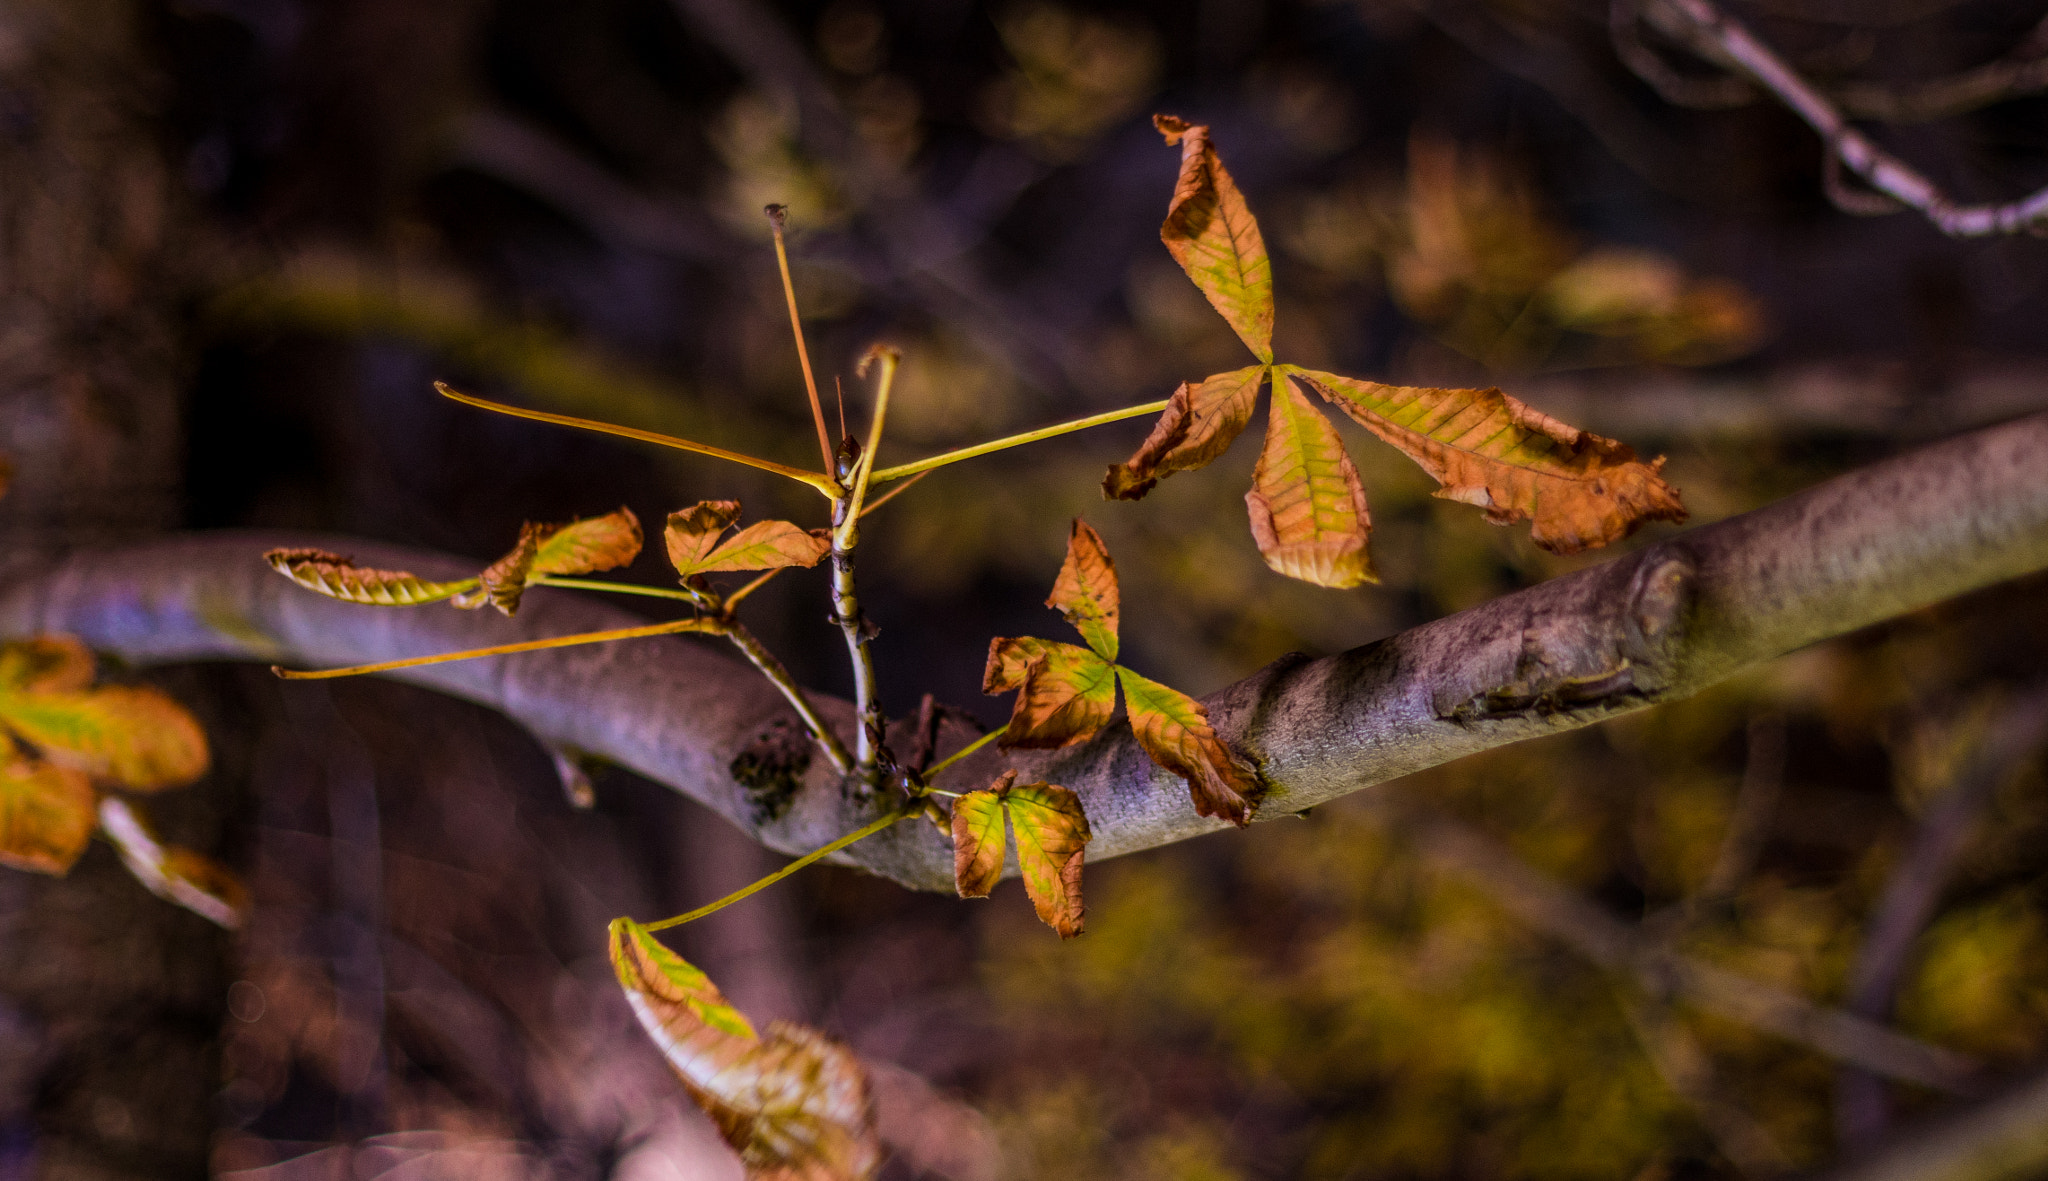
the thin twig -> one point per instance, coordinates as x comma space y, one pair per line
1880, 169
761, 658
1687, 1069
846, 514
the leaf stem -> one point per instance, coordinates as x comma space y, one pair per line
893, 493
778, 875
823, 483
735, 598
623, 588
890, 359
932, 772
772, 668
697, 624
1047, 432
777, 214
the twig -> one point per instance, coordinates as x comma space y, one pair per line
2005, 1137
1689, 1072
846, 610
1914, 888
770, 667
1880, 169
1543, 903
1763, 776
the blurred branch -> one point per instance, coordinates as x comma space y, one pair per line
1914, 888
1689, 1072
1999, 1140
1543, 903
1656, 625
1884, 172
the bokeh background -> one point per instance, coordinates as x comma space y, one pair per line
242, 237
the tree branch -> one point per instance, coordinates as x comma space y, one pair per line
1655, 625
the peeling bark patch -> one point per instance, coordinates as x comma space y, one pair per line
1614, 687
771, 768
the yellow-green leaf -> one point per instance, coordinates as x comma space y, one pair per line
1578, 489
693, 532
1210, 232
1052, 833
795, 1104
767, 545
1201, 421
45, 664
978, 839
1174, 729
1067, 695
339, 577
191, 880
1009, 662
590, 545
1086, 590
46, 813
134, 736
1306, 505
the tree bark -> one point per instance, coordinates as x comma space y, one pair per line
1655, 625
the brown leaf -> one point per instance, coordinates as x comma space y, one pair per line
1052, 834
1200, 423
45, 664
1307, 508
768, 545
339, 577
1066, 696
693, 532
590, 545
134, 736
1086, 590
1009, 661
1210, 231
1489, 450
978, 840
46, 813
795, 1105
503, 582
194, 881
1174, 729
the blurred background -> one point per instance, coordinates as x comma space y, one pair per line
242, 238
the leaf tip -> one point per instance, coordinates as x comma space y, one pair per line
1173, 127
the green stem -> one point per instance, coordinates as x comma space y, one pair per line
624, 633
933, 772
1046, 432
623, 588
778, 875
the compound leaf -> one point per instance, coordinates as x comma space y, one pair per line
1052, 833
1066, 696
191, 880
339, 577
978, 840
46, 813
1201, 421
1307, 508
1487, 449
767, 545
693, 532
1174, 729
1210, 232
590, 545
795, 1104
134, 736
45, 664
1086, 590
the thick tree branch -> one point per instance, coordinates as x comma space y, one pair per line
1655, 625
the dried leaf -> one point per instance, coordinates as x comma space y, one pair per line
1086, 590
1052, 833
45, 664
503, 582
1211, 233
795, 1105
1489, 450
194, 881
1174, 729
1200, 423
693, 532
1009, 661
1067, 695
768, 545
978, 839
590, 545
1307, 507
134, 736
339, 577
46, 813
